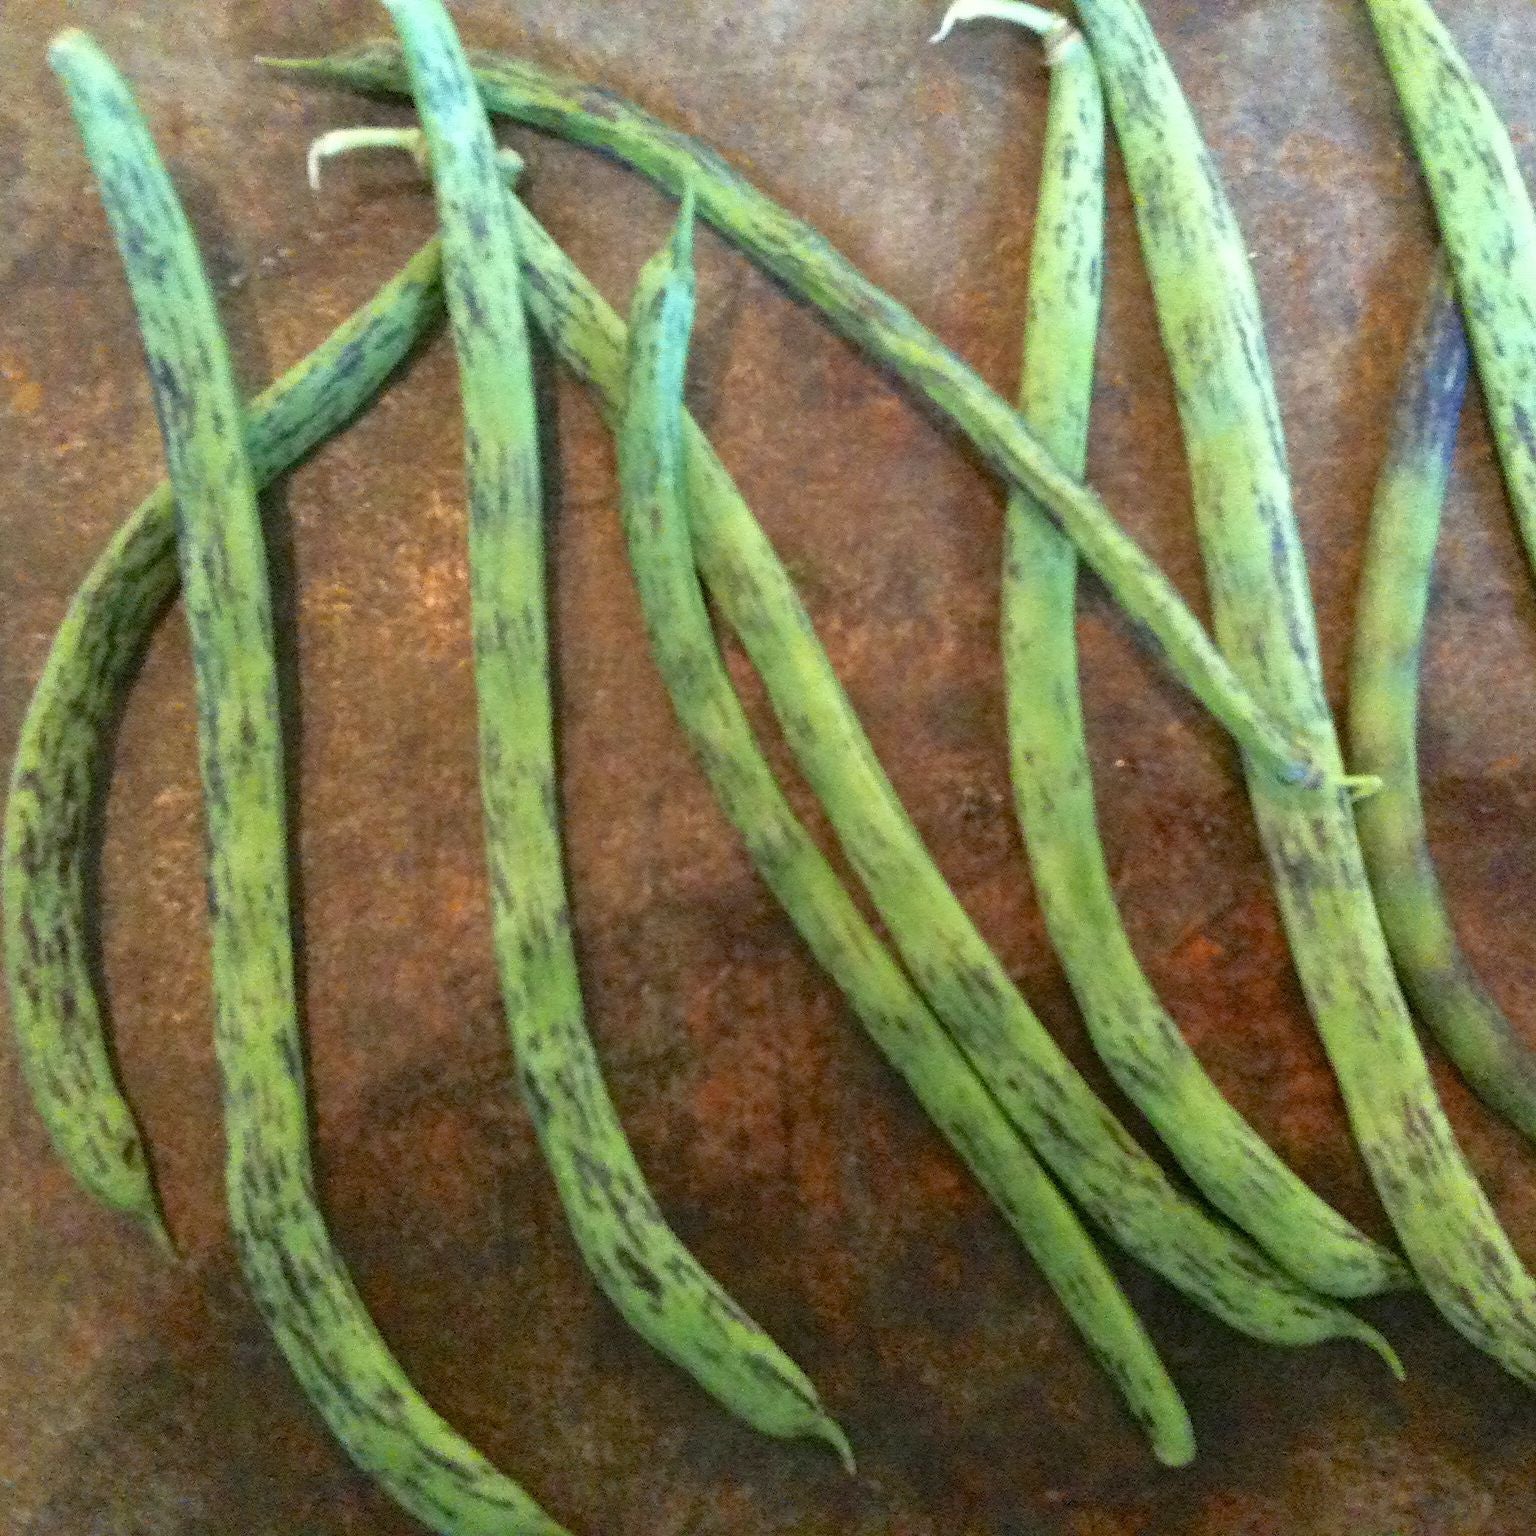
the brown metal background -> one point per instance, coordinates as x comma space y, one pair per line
137, 1398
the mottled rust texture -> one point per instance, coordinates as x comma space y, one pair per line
136, 1399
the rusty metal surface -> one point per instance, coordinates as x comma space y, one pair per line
139, 1399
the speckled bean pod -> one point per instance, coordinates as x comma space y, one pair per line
61, 760
652, 477
811, 268
1447, 993
1122, 1188
1208, 309
293, 1269
661, 1289
1486, 221
1052, 776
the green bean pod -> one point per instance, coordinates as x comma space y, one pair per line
652, 474
293, 1269
1486, 221
661, 1289
1446, 992
1122, 1188
1052, 775
812, 269
61, 759
1208, 310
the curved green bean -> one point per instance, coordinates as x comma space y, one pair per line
65, 741
1486, 221
1446, 992
811, 268
1052, 776
1103, 1168
1208, 309
659, 1287
652, 476
293, 1269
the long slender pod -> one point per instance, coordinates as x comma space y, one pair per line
1390, 620
812, 269
1209, 313
61, 758
652, 476
1486, 221
1102, 1167
297, 1276
1048, 747
663, 1292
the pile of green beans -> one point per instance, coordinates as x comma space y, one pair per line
811, 268
1208, 310
1121, 1187
1052, 775
653, 476
1124, 1190
941, 1008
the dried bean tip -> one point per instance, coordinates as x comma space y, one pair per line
829, 1430
1373, 1340
154, 1225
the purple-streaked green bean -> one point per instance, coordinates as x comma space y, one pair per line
658, 1286
1393, 609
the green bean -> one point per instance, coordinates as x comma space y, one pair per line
652, 475
810, 267
1094, 1156
1209, 313
1052, 776
659, 1287
1486, 221
1446, 992
61, 760
293, 1268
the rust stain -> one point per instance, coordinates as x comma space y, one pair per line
1197, 953
26, 392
